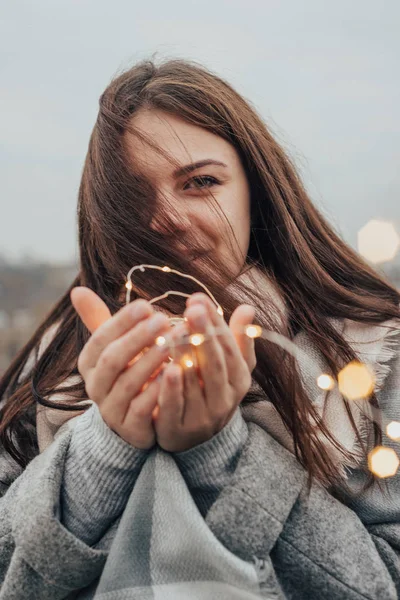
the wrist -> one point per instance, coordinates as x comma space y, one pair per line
220, 448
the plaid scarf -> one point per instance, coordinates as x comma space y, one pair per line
164, 550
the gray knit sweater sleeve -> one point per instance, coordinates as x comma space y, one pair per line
101, 470
208, 467
99, 473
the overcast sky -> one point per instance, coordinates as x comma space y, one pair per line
324, 75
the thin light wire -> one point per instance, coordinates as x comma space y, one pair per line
373, 414
166, 269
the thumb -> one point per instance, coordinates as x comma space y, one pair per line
90, 307
244, 315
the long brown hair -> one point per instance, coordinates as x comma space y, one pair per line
316, 273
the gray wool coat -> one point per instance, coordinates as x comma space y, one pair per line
315, 546
318, 547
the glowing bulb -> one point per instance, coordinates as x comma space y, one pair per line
220, 311
188, 362
356, 381
160, 341
383, 462
129, 285
166, 269
196, 339
325, 382
393, 430
253, 331
378, 241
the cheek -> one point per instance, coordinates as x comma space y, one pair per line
239, 215
235, 202
234, 206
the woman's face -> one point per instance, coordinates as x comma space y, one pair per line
223, 175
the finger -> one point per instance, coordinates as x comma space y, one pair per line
137, 420
224, 332
124, 320
170, 402
211, 359
237, 368
110, 376
182, 351
244, 315
90, 307
193, 384
202, 299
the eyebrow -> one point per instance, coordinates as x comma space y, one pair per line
197, 165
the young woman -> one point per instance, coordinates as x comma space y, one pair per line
181, 172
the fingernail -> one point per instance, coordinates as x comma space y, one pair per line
202, 300
139, 311
156, 322
200, 317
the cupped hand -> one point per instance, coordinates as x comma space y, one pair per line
196, 403
119, 362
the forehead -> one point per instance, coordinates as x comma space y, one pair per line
185, 142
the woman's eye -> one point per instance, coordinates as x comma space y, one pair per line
202, 181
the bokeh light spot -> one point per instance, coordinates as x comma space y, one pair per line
196, 339
253, 331
393, 430
356, 381
378, 241
325, 382
383, 462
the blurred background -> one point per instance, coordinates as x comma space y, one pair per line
324, 76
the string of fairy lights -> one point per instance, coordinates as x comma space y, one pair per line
378, 242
